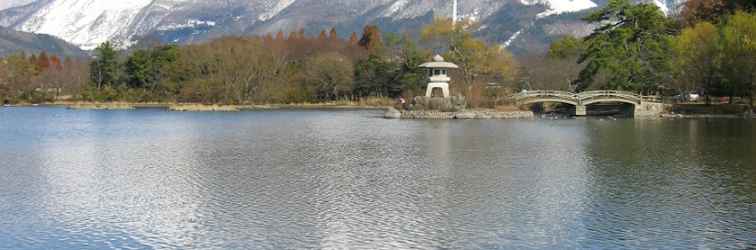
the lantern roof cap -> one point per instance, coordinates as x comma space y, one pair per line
439, 63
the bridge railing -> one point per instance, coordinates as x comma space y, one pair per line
652, 98
609, 93
595, 94
586, 96
544, 93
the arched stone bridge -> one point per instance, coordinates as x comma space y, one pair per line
583, 99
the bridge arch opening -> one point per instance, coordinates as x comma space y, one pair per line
550, 107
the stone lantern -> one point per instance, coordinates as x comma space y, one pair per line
438, 73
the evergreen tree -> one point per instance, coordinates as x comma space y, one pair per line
411, 77
631, 46
105, 68
566, 47
375, 76
144, 67
137, 69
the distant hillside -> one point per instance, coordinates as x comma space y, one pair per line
12, 41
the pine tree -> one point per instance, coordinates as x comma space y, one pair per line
105, 67
631, 45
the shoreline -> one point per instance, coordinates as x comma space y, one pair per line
390, 113
707, 116
193, 107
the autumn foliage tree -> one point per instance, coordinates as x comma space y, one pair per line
694, 11
479, 62
739, 45
697, 58
371, 39
26, 78
713, 11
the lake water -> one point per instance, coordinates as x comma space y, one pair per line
349, 179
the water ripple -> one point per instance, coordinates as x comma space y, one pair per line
348, 180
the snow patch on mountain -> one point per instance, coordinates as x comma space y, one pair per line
86, 23
512, 39
280, 6
556, 7
191, 23
395, 7
474, 16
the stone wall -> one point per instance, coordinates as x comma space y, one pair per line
451, 104
449, 108
392, 113
651, 109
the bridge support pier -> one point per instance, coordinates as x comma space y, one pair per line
581, 110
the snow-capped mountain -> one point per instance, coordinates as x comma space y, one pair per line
88, 23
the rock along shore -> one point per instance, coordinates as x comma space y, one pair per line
393, 113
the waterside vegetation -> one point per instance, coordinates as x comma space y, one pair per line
708, 49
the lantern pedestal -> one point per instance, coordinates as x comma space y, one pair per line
437, 85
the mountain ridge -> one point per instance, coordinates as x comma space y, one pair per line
88, 23
12, 41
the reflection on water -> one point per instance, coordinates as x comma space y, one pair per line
318, 179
